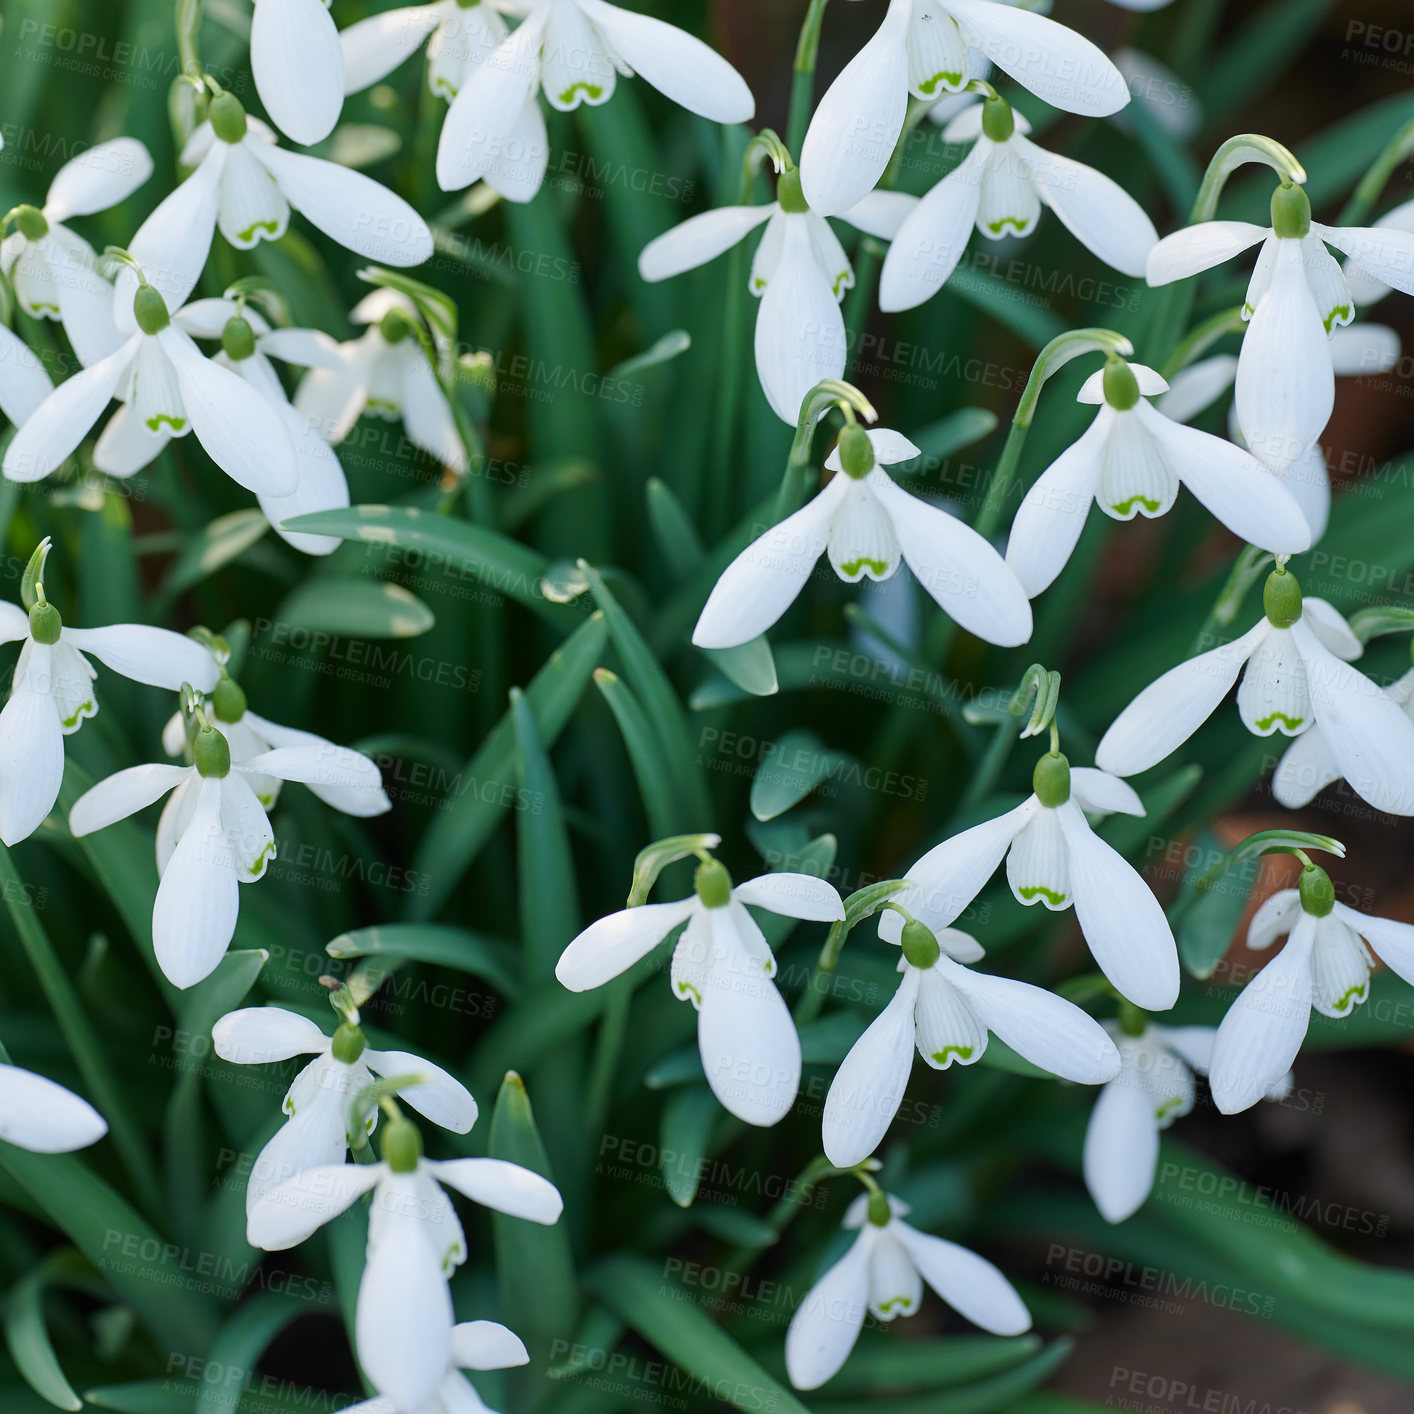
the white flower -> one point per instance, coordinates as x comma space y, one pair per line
1054, 858
476, 1345
246, 184
1364, 287
1356, 350
1298, 673
385, 374
999, 189
944, 1010
53, 271
317, 1103
215, 837
867, 525
403, 1323
573, 49
42, 1116
1297, 294
1131, 460
800, 274
298, 66
1324, 964
169, 387
882, 1274
52, 694
724, 966
24, 383
924, 48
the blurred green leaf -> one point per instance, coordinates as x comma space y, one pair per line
356, 608
689, 1116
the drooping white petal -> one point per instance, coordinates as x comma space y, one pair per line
257, 1034
70, 685
868, 1087
252, 208
931, 240
1038, 865
1100, 793
1328, 624
1124, 927
862, 540
948, 1029
1392, 941
246, 827
316, 762
613, 944
827, 1322
373, 47
316, 1133
970, 1284
288, 1214
880, 214
440, 1097
171, 246
1386, 252
123, 794
939, 60
1121, 1149
31, 750
1167, 712
1340, 968
1273, 696
895, 1286
518, 171
1305, 770
858, 121
127, 444
85, 299
1327, 283
793, 895
427, 416
1010, 204
763, 581
322, 486
155, 656
1194, 389
1276, 916
506, 1187
99, 177
298, 65
24, 384
1263, 1029
1200, 247
40, 1115
699, 239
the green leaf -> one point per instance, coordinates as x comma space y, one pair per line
672, 526
1208, 922
797, 762
436, 943
645, 753
27, 1336
217, 544
750, 666
670, 1321
669, 347
166, 1396
689, 1117
357, 608
888, 1364
940, 439
436, 307
241, 1343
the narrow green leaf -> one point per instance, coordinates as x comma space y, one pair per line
749, 665
166, 1396
672, 526
27, 1336
889, 1364
797, 762
488, 958
645, 753
240, 1345
940, 439
689, 1117
357, 608
223, 540
669, 347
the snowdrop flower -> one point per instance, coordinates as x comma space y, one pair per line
867, 525
298, 67
169, 386
385, 374
217, 837
403, 1321
1131, 461
800, 274
54, 272
247, 345
1364, 287
476, 1345
1054, 858
1154, 1087
1356, 350
52, 695
882, 1274
1298, 673
246, 184
317, 1103
1297, 294
999, 189
1324, 964
24, 383
944, 1010
574, 49
924, 48
724, 966
42, 1116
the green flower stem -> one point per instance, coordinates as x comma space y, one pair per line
1201, 338
188, 24
1249, 564
79, 1035
802, 88
1357, 209
608, 1047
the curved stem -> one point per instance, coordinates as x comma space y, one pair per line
1234, 153
1362, 200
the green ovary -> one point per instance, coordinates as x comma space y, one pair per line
1125, 508
851, 568
1266, 724
963, 1053
1032, 891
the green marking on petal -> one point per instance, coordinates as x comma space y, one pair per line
259, 862
1124, 508
902, 1303
1342, 312
589, 90
154, 424
1167, 1108
86, 707
963, 1053
39, 311
269, 227
841, 283
1016, 222
941, 81
686, 989
1265, 724
855, 567
1350, 997
1031, 891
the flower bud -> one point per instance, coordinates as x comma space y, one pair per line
1051, 780
228, 118
31, 223
1291, 212
920, 947
45, 623
238, 339
1281, 599
713, 884
402, 1146
348, 1043
150, 310
880, 1213
998, 121
1121, 387
1316, 891
394, 326
856, 452
228, 701
789, 194
213, 754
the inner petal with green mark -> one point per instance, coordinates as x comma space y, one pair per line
1274, 719
862, 540
177, 424
86, 710
271, 228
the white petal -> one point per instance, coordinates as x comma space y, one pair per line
1326, 282
895, 1285
64, 418
1151, 384
1124, 927
1340, 968
24, 384
827, 1323
123, 794
506, 1187
931, 240
939, 59
1100, 793
322, 486
1096, 210
315, 1135
1121, 1149
238, 428
348, 207
1200, 247
1285, 383
309, 348
428, 417
1328, 624
960, 569
1392, 941
950, 875
698, 240
290, 1213
31, 755
298, 65
1273, 696
763, 581
251, 208
1362, 349
257, 1034
441, 1097
1386, 252
1174, 706
1305, 770
857, 123
1263, 1030
374, 47
155, 656
888, 447
868, 1087
1048, 1030
171, 246
1053, 512
99, 177
247, 830
487, 1345
85, 300
947, 1027
1009, 204
614, 944
881, 213
680, 67
518, 171
793, 895
127, 444
1038, 863
42, 1116
1198, 387
1276, 916
345, 775
862, 540
970, 1284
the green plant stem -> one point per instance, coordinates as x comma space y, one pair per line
802, 88
1201, 338
79, 1035
1357, 210
1250, 563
